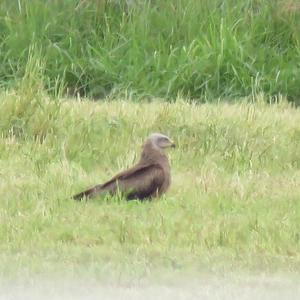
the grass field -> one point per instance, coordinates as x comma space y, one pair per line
221, 78
233, 204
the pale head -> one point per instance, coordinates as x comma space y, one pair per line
161, 141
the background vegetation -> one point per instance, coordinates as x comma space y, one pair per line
196, 48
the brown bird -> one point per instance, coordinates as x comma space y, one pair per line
149, 178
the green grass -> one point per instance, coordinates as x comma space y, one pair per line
233, 204
200, 49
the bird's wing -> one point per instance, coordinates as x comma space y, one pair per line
140, 181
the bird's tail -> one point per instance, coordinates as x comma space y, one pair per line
90, 193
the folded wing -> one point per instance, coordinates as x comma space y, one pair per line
139, 182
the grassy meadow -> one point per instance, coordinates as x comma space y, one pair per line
233, 204
221, 78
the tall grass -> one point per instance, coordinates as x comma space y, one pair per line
196, 48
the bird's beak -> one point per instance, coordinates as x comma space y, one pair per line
173, 145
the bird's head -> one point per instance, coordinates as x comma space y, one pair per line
161, 141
